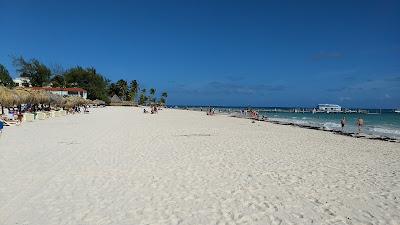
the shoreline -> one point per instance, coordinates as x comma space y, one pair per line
320, 128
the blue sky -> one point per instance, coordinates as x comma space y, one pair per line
259, 53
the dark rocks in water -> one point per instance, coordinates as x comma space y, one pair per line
339, 132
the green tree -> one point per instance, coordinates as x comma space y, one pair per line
163, 98
122, 86
5, 78
38, 73
95, 84
57, 81
143, 98
113, 90
152, 94
133, 90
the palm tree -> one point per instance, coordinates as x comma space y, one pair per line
164, 96
133, 90
143, 97
122, 86
5, 78
152, 93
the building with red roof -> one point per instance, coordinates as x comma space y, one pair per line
64, 91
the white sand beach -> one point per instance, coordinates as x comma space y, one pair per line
117, 165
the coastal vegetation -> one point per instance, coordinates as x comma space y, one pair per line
5, 78
97, 85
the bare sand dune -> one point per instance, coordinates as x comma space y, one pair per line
120, 166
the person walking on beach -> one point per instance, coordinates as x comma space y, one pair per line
360, 124
343, 122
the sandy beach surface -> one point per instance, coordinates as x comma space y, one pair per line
117, 165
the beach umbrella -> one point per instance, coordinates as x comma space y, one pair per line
43, 96
71, 101
16, 99
3, 95
8, 98
99, 102
35, 96
55, 99
24, 95
88, 102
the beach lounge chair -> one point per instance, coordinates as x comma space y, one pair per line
8, 122
29, 117
52, 114
41, 116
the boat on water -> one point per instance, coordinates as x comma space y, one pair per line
397, 111
329, 108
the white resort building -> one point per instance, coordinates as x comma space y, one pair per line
22, 81
64, 91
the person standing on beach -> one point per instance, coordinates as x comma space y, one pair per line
343, 122
360, 124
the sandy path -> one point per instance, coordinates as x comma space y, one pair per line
120, 166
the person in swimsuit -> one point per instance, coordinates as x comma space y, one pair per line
360, 124
343, 122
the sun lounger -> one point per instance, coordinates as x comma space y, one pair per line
29, 117
52, 113
41, 116
47, 114
8, 122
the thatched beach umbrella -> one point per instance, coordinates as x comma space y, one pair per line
35, 96
43, 96
25, 97
56, 99
4, 98
99, 102
69, 103
17, 100
7, 97
88, 102
3, 95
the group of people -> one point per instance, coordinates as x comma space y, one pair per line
253, 114
12, 117
153, 110
250, 113
210, 111
78, 109
359, 123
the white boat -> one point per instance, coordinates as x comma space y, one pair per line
328, 108
397, 111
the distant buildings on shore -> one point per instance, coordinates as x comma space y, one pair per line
25, 82
22, 82
80, 92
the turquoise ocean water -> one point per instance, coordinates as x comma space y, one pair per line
383, 123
